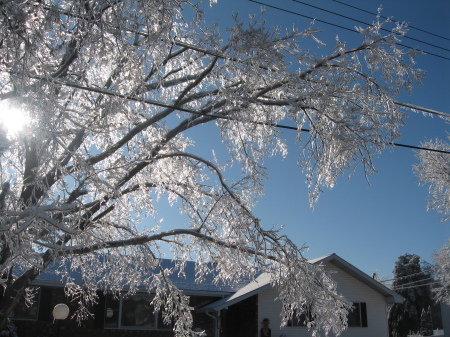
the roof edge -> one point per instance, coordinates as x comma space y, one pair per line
390, 295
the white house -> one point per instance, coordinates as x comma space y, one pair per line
368, 319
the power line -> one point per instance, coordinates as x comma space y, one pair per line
366, 23
420, 148
415, 107
415, 286
406, 276
196, 112
302, 15
384, 17
338, 26
407, 284
402, 277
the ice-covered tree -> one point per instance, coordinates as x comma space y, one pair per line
434, 170
111, 91
413, 283
441, 269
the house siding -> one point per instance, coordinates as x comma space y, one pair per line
352, 289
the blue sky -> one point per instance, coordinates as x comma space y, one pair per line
368, 225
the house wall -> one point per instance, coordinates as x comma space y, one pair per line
445, 310
352, 289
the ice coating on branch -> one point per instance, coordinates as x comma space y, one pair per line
121, 91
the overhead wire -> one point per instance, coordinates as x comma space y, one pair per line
415, 286
415, 107
366, 23
412, 284
385, 17
403, 277
338, 26
407, 284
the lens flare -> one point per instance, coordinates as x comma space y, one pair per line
12, 119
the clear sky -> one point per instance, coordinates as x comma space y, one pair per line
368, 225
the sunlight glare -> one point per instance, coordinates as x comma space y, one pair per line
12, 118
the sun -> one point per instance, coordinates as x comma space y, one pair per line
12, 118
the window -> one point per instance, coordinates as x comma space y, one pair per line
302, 320
358, 316
27, 310
134, 312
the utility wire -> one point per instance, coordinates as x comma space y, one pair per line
416, 286
302, 15
384, 17
402, 277
407, 284
365, 23
196, 112
406, 276
338, 26
416, 107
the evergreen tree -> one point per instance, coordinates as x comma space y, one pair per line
410, 281
441, 269
426, 323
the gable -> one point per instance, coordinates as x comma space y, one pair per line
350, 274
334, 260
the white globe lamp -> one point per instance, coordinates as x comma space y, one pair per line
61, 311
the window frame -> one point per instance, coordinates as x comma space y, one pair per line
118, 302
359, 313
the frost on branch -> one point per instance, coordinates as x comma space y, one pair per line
434, 170
121, 93
441, 269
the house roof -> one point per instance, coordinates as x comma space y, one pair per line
233, 293
186, 282
262, 282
